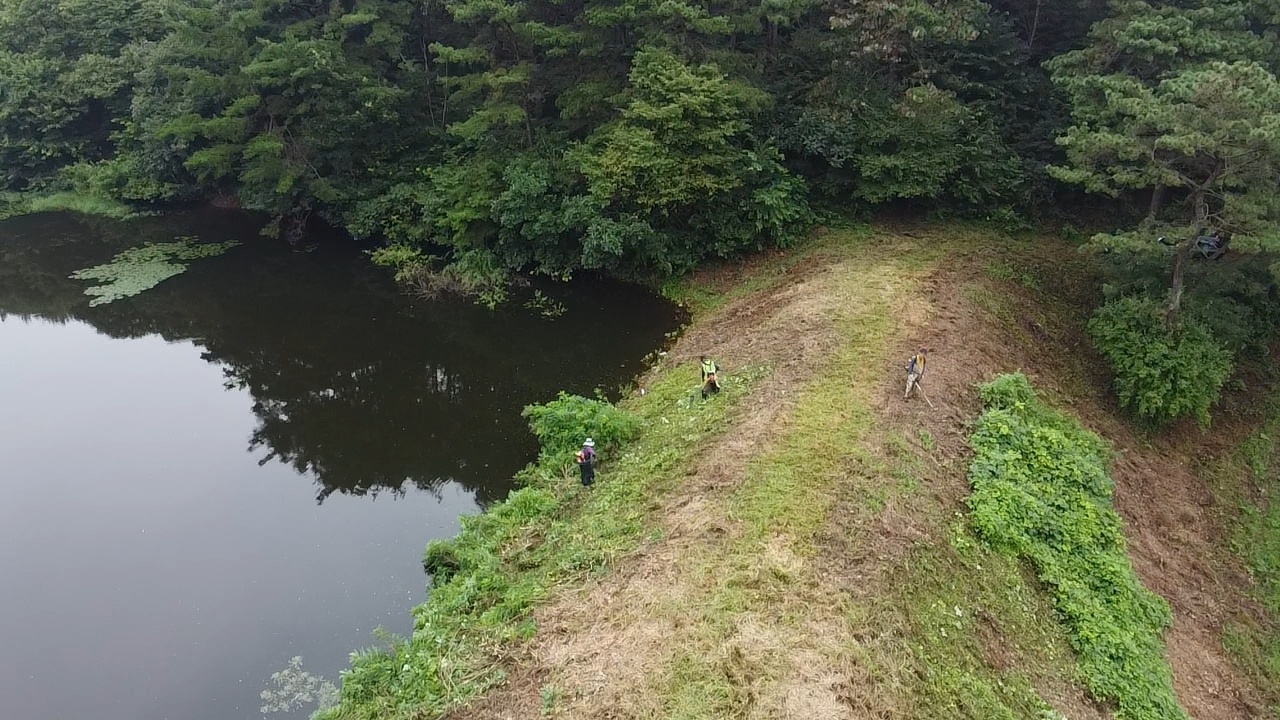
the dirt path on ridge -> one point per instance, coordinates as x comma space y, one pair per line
601, 643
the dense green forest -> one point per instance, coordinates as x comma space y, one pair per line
638, 137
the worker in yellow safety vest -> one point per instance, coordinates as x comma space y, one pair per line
709, 382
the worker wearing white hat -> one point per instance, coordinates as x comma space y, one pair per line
586, 462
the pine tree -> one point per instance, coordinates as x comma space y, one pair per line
1178, 100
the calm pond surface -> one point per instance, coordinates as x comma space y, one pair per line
244, 463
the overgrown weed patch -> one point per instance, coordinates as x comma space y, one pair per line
1041, 493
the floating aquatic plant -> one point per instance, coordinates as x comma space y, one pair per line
142, 268
296, 689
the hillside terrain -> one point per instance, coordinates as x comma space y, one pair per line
807, 543
806, 551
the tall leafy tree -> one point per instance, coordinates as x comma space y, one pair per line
909, 106
682, 161
618, 136
292, 107
67, 69
1178, 100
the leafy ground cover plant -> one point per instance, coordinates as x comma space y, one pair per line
1041, 493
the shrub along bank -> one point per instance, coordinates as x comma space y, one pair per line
1041, 493
486, 580
1162, 374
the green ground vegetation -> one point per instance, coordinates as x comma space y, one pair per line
966, 635
1041, 493
15, 204
1246, 482
960, 629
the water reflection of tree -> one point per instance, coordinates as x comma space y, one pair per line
346, 433
351, 385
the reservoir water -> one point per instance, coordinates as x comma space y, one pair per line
244, 463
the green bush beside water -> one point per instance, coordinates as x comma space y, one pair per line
561, 425
82, 204
16, 204
1041, 493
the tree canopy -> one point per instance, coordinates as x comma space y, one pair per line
631, 136
1179, 98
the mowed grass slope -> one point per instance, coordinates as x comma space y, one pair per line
812, 559
798, 546
771, 631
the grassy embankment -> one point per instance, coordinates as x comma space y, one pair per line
14, 205
549, 532
949, 586
1246, 483
916, 642
801, 599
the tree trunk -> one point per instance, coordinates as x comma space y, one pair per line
293, 224
1180, 256
1199, 206
1035, 26
1157, 200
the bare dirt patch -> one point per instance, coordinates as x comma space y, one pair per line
1175, 543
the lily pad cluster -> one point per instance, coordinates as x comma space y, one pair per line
142, 268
